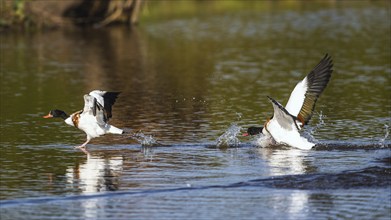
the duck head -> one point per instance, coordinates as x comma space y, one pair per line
253, 131
56, 114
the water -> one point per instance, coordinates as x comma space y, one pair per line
190, 86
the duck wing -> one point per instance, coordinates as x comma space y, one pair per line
110, 98
283, 117
303, 98
103, 101
91, 108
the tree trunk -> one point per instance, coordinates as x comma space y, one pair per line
67, 13
99, 13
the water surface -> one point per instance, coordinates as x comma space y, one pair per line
192, 85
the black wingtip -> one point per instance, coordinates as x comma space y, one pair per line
272, 100
275, 102
317, 81
327, 58
109, 98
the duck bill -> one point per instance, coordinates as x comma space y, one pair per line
245, 134
48, 116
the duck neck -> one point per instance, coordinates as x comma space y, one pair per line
63, 115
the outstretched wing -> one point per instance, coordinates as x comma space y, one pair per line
109, 98
89, 104
90, 107
303, 98
103, 101
283, 117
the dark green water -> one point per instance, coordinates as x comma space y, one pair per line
190, 83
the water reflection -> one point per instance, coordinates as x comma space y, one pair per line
294, 203
297, 202
96, 174
289, 161
286, 161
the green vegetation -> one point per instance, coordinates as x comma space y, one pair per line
12, 13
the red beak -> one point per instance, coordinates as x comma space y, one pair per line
245, 134
48, 116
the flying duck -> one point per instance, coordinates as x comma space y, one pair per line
94, 117
284, 126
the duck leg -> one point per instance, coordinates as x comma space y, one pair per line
83, 146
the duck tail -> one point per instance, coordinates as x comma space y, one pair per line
115, 130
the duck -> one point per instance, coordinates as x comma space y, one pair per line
93, 118
284, 127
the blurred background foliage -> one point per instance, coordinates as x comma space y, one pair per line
42, 14
38, 14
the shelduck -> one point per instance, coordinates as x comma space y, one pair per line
94, 117
284, 126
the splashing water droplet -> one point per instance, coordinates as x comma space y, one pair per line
145, 140
383, 140
229, 138
311, 131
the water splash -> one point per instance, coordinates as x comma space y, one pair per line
264, 141
144, 140
387, 132
229, 138
311, 131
